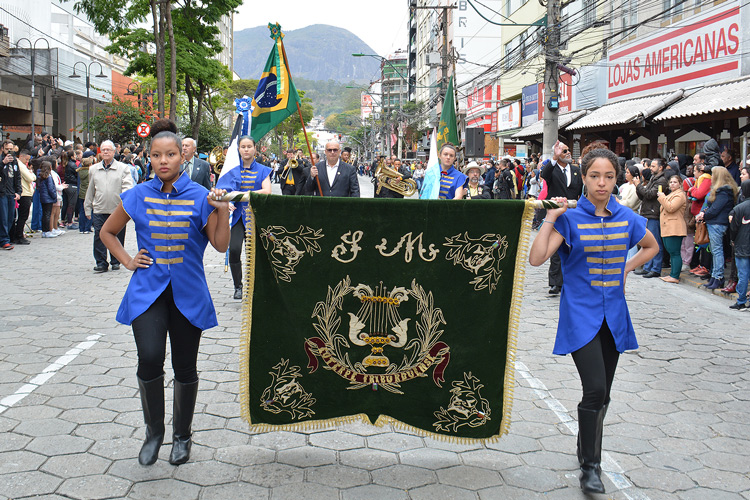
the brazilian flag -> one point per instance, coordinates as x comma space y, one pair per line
276, 97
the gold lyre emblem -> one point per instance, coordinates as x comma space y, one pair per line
379, 314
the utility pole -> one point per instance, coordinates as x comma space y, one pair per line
551, 78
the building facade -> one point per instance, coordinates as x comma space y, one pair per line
61, 44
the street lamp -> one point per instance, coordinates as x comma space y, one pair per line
88, 86
32, 46
135, 88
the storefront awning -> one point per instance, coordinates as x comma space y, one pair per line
536, 129
508, 133
628, 112
727, 96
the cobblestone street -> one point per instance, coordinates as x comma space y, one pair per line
71, 424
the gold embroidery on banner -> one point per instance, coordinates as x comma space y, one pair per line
478, 255
175, 248
605, 271
378, 325
286, 394
409, 250
288, 247
613, 236
610, 260
466, 406
170, 201
168, 213
605, 283
340, 249
605, 248
167, 236
168, 223
176, 260
599, 225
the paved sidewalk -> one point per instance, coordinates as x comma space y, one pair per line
71, 425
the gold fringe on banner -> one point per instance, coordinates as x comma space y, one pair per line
247, 312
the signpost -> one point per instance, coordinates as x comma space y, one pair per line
143, 129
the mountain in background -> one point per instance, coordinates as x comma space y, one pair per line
317, 52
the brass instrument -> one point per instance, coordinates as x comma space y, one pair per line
390, 179
216, 159
291, 164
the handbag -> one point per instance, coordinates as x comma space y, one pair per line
701, 233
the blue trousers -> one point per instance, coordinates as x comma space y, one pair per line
654, 265
716, 241
36, 215
7, 216
743, 274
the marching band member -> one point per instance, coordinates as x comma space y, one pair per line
451, 180
594, 325
249, 176
174, 220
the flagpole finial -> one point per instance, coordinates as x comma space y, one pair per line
276, 33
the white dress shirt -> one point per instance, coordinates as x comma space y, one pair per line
332, 170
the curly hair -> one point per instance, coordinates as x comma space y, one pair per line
599, 152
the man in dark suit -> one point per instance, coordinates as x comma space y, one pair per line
336, 177
563, 180
199, 170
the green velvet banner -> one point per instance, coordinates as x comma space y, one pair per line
390, 311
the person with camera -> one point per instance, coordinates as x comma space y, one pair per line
10, 192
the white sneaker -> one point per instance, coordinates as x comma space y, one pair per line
57, 232
49, 234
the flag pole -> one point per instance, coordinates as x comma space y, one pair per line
302, 120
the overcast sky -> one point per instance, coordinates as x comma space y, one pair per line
381, 23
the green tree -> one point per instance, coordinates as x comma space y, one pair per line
192, 44
118, 120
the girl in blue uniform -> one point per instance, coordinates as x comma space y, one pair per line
174, 220
594, 323
250, 176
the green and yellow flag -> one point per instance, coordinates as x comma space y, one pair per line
276, 97
386, 319
447, 130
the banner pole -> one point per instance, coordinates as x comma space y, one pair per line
302, 120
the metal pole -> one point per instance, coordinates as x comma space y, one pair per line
551, 78
88, 86
33, 63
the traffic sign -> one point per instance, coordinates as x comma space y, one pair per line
143, 129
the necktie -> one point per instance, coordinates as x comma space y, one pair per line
187, 168
567, 176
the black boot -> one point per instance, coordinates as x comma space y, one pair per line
578, 447
590, 425
237, 279
182, 421
152, 400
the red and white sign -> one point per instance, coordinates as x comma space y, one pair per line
564, 95
143, 129
700, 49
509, 117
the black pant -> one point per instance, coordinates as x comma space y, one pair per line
100, 250
46, 216
24, 204
70, 198
236, 242
596, 363
150, 332
554, 275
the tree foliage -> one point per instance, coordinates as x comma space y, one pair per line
193, 41
118, 120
